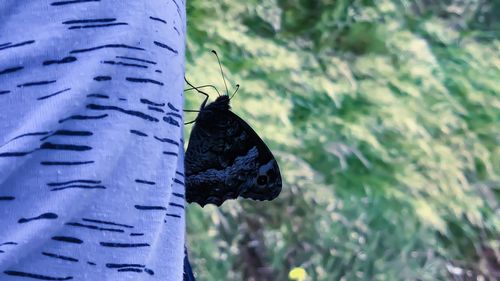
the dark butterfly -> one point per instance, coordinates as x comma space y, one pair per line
225, 158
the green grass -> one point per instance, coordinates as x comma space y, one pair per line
384, 117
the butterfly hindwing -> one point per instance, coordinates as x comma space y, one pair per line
225, 159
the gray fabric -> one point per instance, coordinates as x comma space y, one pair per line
91, 150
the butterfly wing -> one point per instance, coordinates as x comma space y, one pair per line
225, 159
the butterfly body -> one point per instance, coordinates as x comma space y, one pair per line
225, 159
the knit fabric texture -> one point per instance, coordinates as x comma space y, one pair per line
91, 140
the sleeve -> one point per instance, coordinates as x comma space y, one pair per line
91, 140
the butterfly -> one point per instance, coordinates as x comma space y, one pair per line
225, 158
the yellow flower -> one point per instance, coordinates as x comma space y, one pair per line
297, 273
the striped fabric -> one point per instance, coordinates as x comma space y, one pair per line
91, 148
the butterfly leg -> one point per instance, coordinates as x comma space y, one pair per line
203, 86
199, 91
190, 122
190, 110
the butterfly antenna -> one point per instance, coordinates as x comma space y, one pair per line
222, 73
237, 88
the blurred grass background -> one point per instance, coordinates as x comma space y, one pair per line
384, 116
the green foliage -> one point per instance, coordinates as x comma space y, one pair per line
384, 117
